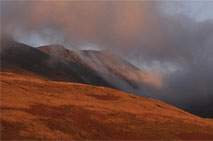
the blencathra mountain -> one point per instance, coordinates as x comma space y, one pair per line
55, 62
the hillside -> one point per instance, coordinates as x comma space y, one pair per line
54, 62
105, 66
23, 59
33, 108
99, 68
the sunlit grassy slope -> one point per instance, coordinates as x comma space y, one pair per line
32, 108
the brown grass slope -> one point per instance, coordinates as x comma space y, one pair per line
32, 108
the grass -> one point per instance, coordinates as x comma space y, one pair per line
32, 108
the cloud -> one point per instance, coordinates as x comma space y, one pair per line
139, 31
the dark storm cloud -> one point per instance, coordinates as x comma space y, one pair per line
139, 31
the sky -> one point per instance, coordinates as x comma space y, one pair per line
198, 10
174, 38
195, 9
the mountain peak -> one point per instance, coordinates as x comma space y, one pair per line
55, 47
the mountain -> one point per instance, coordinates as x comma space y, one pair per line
36, 109
109, 67
99, 68
20, 58
60, 64
55, 62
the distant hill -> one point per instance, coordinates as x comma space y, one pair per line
21, 58
91, 64
57, 63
